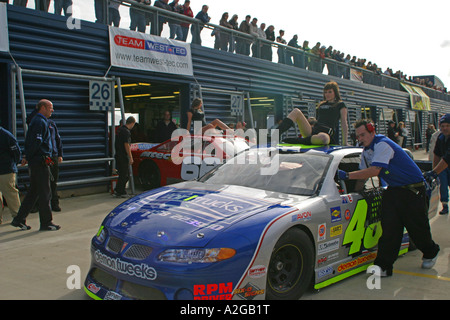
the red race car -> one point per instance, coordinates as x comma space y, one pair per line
187, 158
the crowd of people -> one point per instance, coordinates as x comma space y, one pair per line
307, 57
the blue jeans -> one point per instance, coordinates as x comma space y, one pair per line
175, 30
444, 177
114, 17
138, 20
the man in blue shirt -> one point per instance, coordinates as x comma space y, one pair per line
38, 150
9, 157
404, 203
197, 27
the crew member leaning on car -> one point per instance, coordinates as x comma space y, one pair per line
404, 203
441, 160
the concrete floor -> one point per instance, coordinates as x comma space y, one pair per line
35, 265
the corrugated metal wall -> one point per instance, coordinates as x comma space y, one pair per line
42, 41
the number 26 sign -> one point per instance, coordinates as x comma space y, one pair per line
101, 95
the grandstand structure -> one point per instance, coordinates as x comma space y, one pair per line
44, 57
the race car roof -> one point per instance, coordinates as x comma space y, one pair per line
305, 148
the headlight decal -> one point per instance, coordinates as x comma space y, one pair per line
196, 255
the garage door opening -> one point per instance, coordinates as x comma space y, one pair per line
147, 102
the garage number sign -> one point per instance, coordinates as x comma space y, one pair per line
237, 104
101, 95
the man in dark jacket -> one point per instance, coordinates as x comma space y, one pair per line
441, 161
162, 4
57, 157
38, 151
123, 156
197, 28
9, 157
165, 127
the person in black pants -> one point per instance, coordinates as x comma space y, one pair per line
123, 156
38, 151
404, 202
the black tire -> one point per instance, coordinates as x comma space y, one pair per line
291, 266
149, 175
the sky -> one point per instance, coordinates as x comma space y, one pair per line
408, 35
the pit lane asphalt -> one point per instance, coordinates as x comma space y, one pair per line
34, 264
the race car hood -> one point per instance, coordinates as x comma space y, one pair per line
192, 213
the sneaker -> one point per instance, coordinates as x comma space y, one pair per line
444, 210
385, 273
56, 208
429, 263
50, 227
20, 225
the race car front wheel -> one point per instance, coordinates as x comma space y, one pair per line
149, 175
291, 266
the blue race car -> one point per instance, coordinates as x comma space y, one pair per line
264, 225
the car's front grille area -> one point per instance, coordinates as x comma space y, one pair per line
114, 244
140, 292
138, 252
105, 279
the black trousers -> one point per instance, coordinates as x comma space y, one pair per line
404, 208
54, 169
122, 165
39, 187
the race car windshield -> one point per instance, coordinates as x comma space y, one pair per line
298, 173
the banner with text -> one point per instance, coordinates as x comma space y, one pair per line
4, 39
419, 99
136, 50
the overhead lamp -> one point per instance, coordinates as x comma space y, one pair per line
127, 85
138, 95
162, 97
262, 105
258, 98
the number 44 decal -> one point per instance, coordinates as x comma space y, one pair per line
357, 235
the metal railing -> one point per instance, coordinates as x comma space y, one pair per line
17, 73
262, 48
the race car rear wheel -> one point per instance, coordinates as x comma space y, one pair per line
149, 175
291, 266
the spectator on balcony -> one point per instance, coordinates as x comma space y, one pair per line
159, 21
42, 5
174, 25
261, 34
254, 32
281, 50
243, 45
198, 27
266, 50
99, 7
138, 19
293, 57
63, 5
314, 59
235, 26
224, 38
187, 11
114, 14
